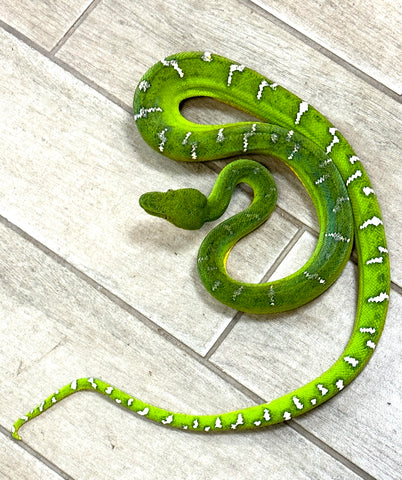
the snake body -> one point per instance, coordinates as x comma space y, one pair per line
293, 131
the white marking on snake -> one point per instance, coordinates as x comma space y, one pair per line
374, 260
168, 420
236, 293
195, 424
117, 400
322, 179
207, 429
218, 423
382, 250
339, 202
313, 401
144, 85
322, 389
370, 344
163, 139
92, 382
338, 237
271, 295
130, 401
334, 141
220, 137
289, 135
239, 421
274, 137
379, 298
313, 276
74, 385
143, 113
296, 148
339, 384
267, 415
357, 174
325, 163
371, 221
207, 57
303, 107
298, 403
257, 423
368, 191
25, 418
185, 139
216, 284
41, 406
234, 68
143, 412
247, 135
54, 399
287, 415
273, 86
368, 330
353, 159
109, 390
352, 361
194, 151
175, 65
261, 87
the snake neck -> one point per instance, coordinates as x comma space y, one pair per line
264, 189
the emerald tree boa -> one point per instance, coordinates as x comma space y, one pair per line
293, 131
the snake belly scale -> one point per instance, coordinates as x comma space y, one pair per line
293, 131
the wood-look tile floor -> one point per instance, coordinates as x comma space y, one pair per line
91, 285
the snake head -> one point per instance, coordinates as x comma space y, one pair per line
186, 208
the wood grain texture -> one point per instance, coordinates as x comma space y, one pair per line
364, 422
55, 327
43, 22
366, 34
109, 49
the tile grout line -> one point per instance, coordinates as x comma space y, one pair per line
31, 451
223, 335
356, 71
297, 427
66, 67
76, 24
281, 257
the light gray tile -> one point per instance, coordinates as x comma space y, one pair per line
73, 167
56, 328
119, 41
15, 462
43, 22
367, 35
276, 355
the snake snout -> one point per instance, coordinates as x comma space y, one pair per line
152, 203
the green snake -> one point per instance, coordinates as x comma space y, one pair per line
293, 131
